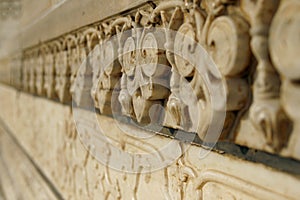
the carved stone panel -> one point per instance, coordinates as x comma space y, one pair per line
221, 75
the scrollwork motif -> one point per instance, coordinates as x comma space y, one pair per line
234, 33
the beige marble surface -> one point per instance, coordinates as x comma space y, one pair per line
19, 178
47, 19
253, 44
46, 131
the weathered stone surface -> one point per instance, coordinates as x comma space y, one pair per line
19, 178
225, 70
78, 175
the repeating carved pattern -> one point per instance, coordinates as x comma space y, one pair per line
254, 45
234, 33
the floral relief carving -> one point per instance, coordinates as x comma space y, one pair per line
144, 64
108, 75
211, 32
254, 45
149, 84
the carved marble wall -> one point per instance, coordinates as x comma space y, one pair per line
78, 175
246, 40
121, 65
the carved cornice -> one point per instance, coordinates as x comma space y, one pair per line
234, 33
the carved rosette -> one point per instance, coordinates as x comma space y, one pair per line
226, 39
151, 79
109, 74
128, 68
186, 86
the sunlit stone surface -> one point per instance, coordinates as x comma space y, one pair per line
175, 99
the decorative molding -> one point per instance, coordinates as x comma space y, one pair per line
234, 33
